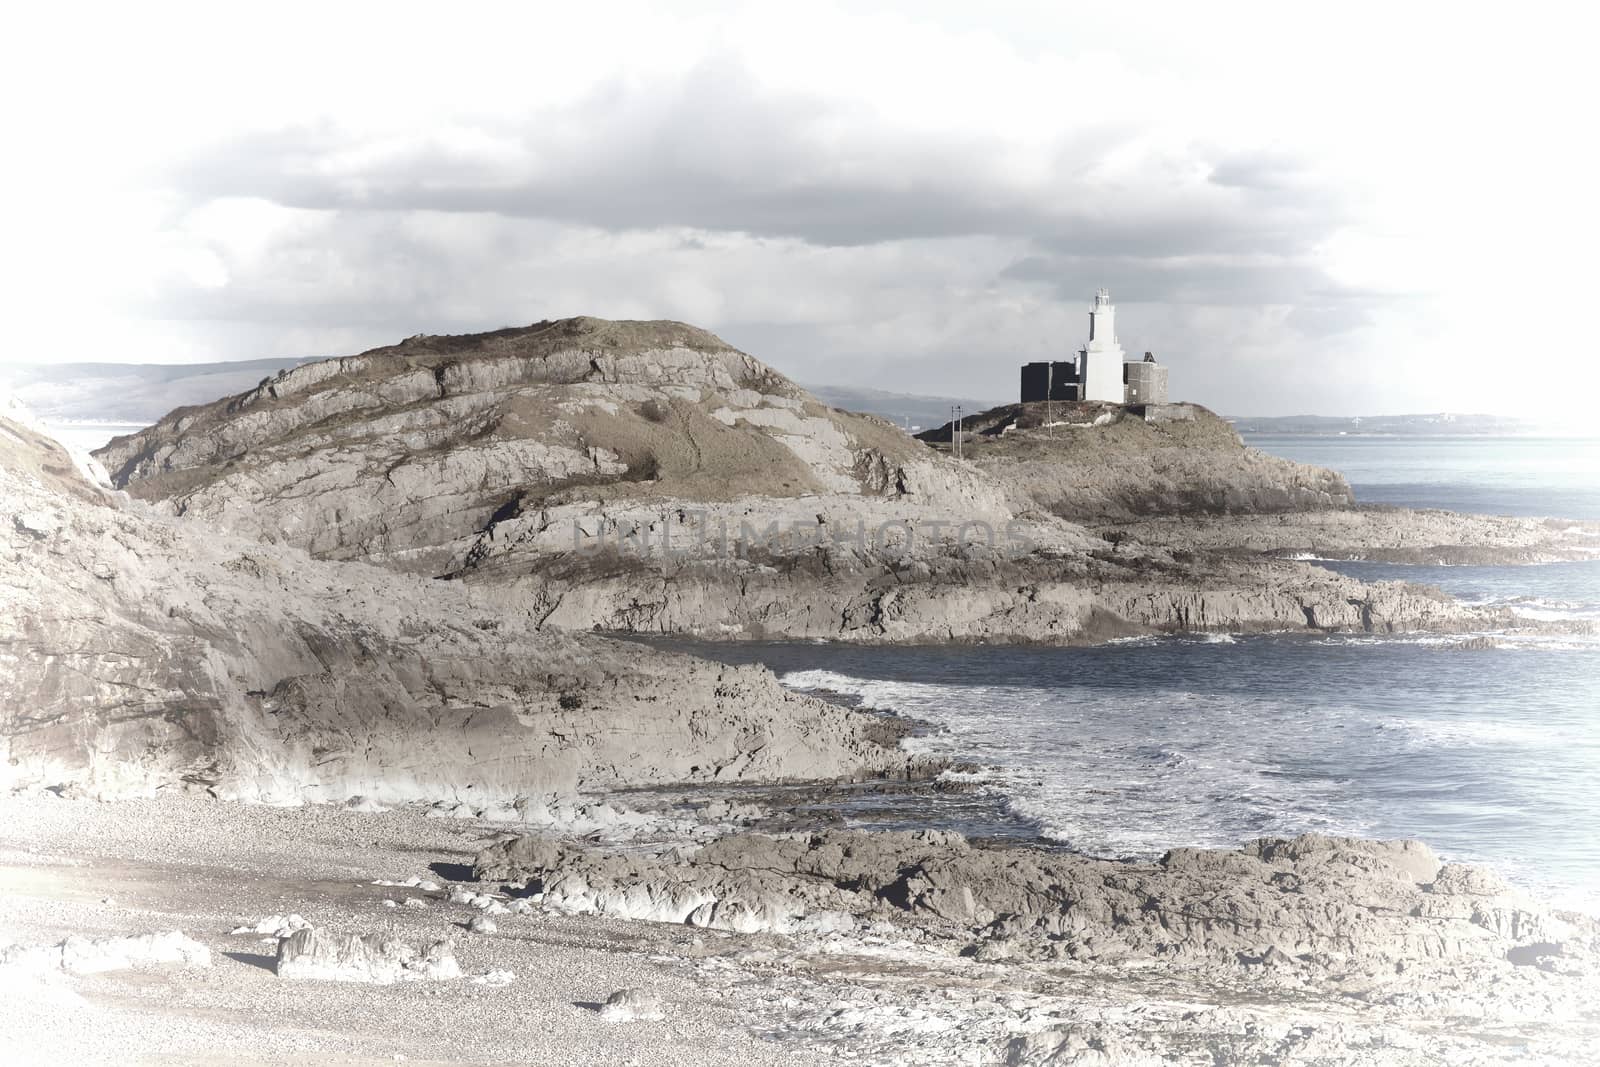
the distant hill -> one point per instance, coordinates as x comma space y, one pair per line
1439, 423
903, 409
140, 393
143, 392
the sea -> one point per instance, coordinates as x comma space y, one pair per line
1491, 755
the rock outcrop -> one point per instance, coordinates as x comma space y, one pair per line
316, 955
1079, 591
142, 652
1379, 923
405, 455
1097, 463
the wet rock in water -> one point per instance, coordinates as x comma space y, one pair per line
632, 1005
319, 955
482, 925
82, 955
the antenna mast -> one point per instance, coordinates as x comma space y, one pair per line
1049, 402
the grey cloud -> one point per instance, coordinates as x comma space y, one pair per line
1170, 280
941, 270
1319, 308
717, 152
1263, 171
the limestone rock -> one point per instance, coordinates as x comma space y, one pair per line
632, 1005
1277, 905
276, 926
319, 955
1462, 879
255, 673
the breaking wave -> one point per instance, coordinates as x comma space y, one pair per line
1214, 740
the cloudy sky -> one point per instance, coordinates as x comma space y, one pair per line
1340, 209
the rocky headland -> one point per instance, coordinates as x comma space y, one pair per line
1178, 477
1096, 463
646, 476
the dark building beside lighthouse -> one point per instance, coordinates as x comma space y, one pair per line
1049, 381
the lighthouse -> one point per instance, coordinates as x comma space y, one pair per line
1099, 374
1100, 361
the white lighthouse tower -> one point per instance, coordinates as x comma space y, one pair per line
1100, 361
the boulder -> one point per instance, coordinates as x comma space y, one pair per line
322, 956
632, 1005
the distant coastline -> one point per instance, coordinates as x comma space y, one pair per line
122, 394
1420, 425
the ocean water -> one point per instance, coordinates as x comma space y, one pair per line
1486, 475
1549, 592
1489, 755
1133, 748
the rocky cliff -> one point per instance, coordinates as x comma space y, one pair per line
142, 652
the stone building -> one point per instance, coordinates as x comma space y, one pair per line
1144, 382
